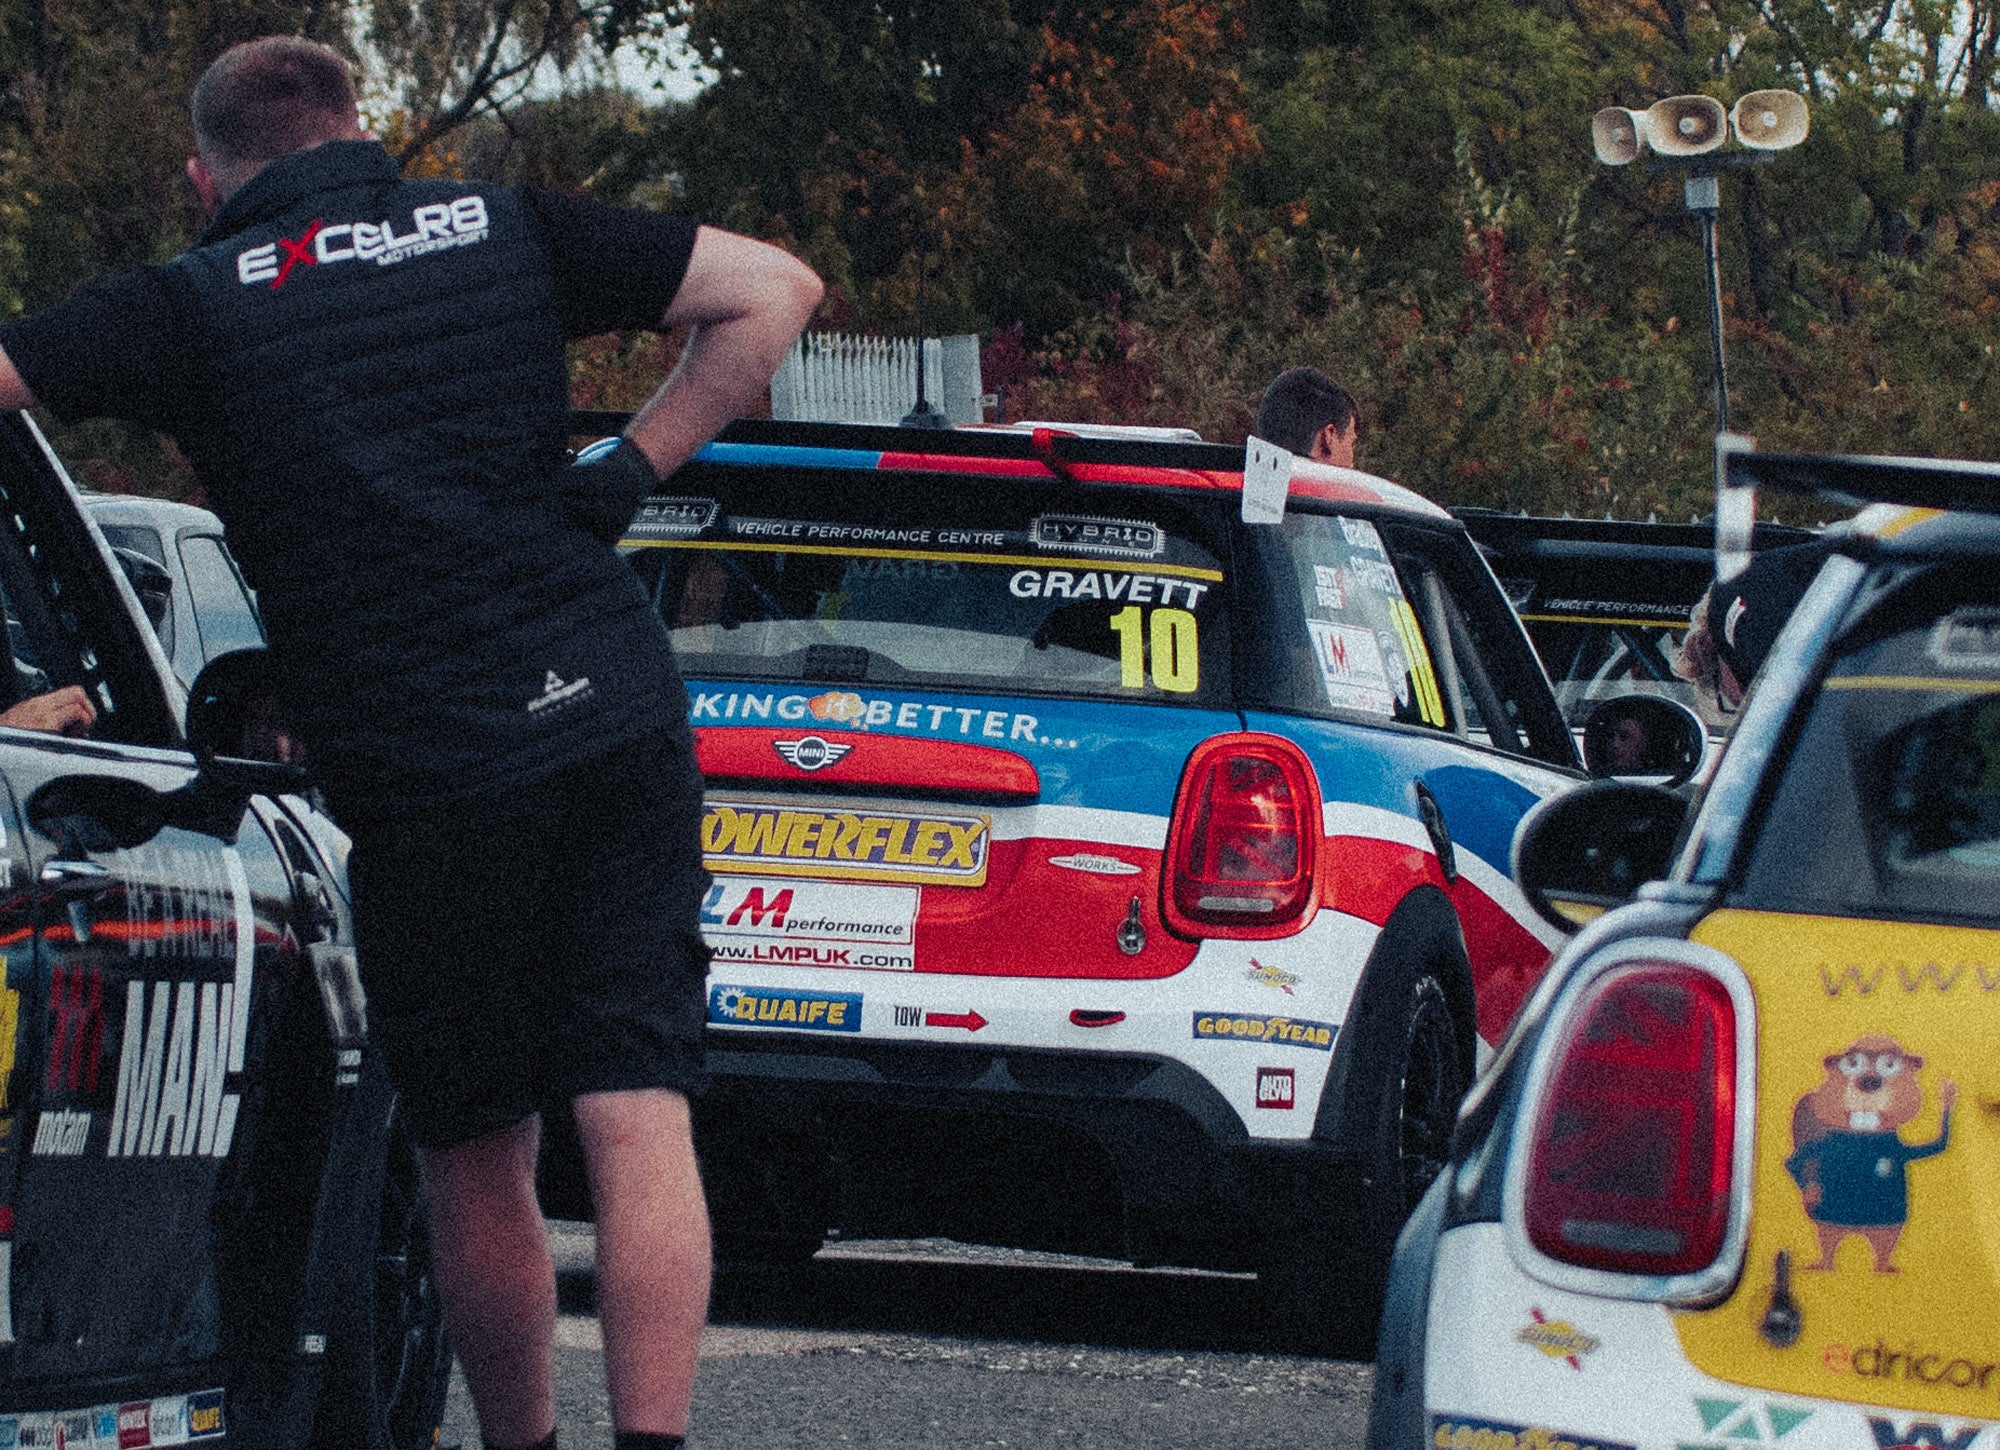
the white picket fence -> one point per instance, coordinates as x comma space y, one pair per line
831, 377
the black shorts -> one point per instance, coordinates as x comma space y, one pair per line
517, 953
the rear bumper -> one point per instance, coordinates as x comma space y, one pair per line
1124, 1155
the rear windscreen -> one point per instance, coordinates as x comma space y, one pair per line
1890, 801
928, 581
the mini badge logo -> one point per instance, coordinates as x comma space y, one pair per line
1557, 1338
811, 752
1276, 1088
557, 692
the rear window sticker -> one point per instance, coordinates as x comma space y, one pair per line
673, 518
1848, 1155
1116, 585
1968, 639
1087, 534
1350, 664
1376, 574
777, 1007
1360, 534
1328, 588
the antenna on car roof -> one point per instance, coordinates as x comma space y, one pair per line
923, 415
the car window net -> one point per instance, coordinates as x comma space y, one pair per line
968, 583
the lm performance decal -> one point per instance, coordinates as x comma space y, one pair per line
431, 229
811, 923
792, 1011
845, 845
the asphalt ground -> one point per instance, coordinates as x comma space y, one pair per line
929, 1343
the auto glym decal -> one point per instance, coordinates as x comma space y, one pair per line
846, 710
672, 518
1277, 1087
845, 845
1734, 1424
777, 1007
1921, 1434
1086, 534
1284, 1031
1463, 1432
1556, 1338
1848, 1155
811, 923
811, 752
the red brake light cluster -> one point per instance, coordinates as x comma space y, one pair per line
1630, 1166
1244, 841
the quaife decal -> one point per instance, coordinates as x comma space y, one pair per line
430, 229
1287, 1031
1733, 1424
1085, 534
793, 1011
1848, 1157
1462, 1432
845, 845
1556, 1338
1921, 1434
672, 518
811, 923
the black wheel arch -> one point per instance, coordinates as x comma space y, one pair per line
1422, 935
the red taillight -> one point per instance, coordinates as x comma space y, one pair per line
1631, 1161
1245, 835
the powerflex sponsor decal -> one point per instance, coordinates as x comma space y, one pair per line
1556, 1338
1086, 534
672, 518
1285, 1031
432, 228
777, 1007
847, 710
845, 845
1462, 1432
811, 923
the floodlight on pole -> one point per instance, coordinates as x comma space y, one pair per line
1686, 133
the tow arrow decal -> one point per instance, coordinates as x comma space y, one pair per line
970, 1021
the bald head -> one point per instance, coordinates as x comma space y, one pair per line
267, 98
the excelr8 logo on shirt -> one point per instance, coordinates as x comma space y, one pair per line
431, 228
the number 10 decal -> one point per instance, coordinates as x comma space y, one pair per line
1176, 660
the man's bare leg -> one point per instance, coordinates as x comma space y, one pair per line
497, 1279
652, 1252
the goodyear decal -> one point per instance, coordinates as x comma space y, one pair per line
845, 845
1462, 1432
1288, 1031
793, 1011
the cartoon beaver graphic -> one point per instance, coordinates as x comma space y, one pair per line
1847, 1157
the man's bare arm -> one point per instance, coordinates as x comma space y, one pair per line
13, 391
67, 711
746, 300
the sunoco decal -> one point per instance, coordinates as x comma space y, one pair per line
793, 1011
1288, 1031
811, 923
845, 845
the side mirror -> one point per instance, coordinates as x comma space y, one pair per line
1579, 854
1646, 735
151, 581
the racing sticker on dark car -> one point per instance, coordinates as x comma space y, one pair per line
781, 1008
673, 518
839, 845
1088, 534
1256, 1027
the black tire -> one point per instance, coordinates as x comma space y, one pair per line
389, 1363
1325, 1287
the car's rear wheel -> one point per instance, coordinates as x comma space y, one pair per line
1325, 1284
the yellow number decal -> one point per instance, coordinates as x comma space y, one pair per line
1176, 652
1131, 648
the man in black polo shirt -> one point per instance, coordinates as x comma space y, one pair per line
368, 374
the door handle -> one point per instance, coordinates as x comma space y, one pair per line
58, 871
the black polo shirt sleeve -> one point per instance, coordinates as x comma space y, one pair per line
115, 348
616, 268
